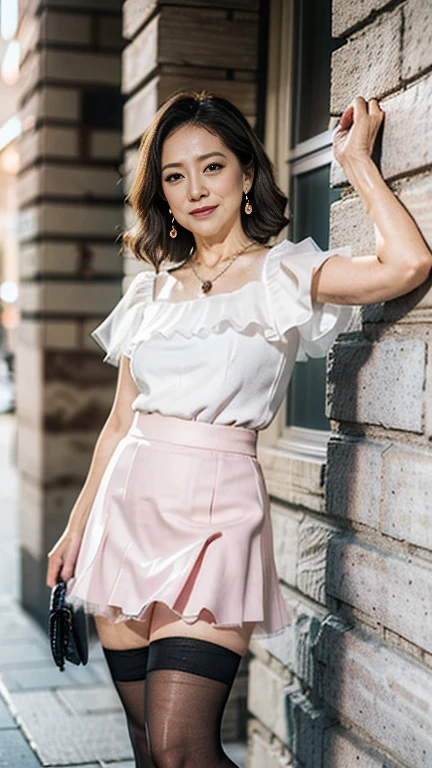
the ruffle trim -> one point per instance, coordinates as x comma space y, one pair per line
288, 275
272, 306
243, 310
120, 326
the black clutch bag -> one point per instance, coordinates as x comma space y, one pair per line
68, 633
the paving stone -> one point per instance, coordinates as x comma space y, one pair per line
17, 653
6, 719
14, 751
63, 737
27, 677
90, 700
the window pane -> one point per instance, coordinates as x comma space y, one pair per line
313, 46
311, 198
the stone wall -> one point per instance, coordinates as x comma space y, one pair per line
70, 269
350, 683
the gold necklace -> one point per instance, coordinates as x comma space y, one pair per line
206, 284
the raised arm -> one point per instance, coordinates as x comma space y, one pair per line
403, 260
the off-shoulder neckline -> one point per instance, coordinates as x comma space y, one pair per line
204, 297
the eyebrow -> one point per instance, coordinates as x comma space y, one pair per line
200, 157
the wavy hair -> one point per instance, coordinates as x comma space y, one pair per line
149, 238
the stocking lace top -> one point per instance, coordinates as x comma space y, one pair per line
225, 358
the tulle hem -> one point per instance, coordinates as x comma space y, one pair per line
115, 615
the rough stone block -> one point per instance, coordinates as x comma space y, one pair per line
293, 646
267, 698
342, 749
285, 537
378, 690
393, 589
369, 64
353, 479
65, 28
139, 111
428, 394
406, 506
350, 224
78, 298
75, 66
383, 382
349, 15
313, 543
306, 728
66, 181
233, 44
140, 57
89, 221
293, 479
57, 257
262, 753
417, 38
403, 149
47, 143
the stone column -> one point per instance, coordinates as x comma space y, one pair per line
70, 269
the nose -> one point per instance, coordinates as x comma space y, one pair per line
196, 187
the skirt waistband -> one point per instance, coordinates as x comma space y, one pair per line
198, 434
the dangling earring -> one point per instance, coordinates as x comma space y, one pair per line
173, 231
248, 207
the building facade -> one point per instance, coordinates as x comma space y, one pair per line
348, 458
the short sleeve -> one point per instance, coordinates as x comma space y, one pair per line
115, 333
290, 269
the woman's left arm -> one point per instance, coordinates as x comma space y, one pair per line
403, 260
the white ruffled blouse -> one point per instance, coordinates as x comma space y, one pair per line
225, 358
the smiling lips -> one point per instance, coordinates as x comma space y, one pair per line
199, 213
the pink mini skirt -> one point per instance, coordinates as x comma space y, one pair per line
181, 517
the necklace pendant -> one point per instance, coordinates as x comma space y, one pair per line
206, 286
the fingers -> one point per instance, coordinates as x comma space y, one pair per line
54, 567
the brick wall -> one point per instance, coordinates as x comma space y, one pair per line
350, 683
70, 267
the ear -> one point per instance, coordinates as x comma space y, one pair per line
248, 177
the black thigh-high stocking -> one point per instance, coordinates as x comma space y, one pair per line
188, 683
128, 671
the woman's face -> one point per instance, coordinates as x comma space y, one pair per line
199, 171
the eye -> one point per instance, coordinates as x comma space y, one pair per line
170, 177
217, 165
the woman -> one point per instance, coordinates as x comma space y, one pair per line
169, 543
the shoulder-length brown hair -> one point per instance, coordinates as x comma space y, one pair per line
149, 238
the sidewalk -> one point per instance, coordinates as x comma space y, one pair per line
47, 717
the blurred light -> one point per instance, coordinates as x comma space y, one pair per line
10, 63
8, 18
8, 291
9, 131
10, 160
10, 317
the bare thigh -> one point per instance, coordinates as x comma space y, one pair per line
166, 623
123, 636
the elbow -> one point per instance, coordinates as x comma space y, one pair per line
419, 272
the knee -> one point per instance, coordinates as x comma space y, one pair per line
167, 755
